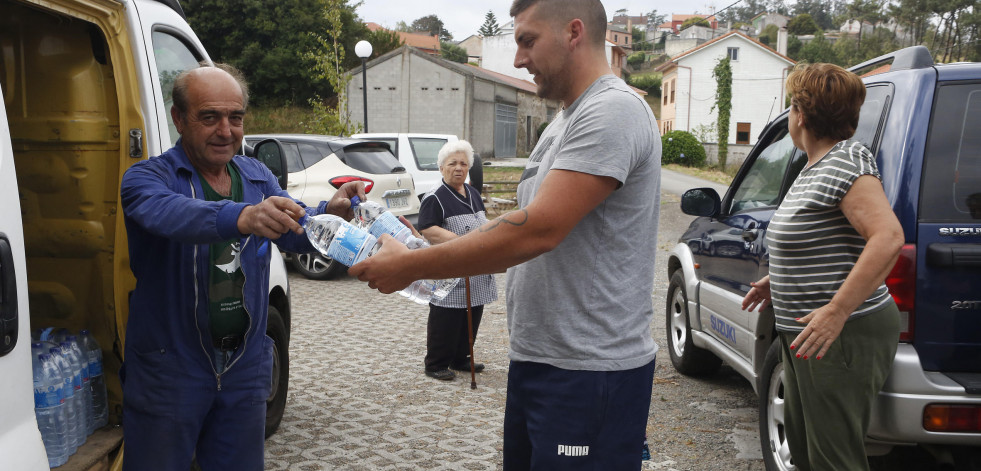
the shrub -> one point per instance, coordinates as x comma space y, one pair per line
649, 83
636, 59
541, 128
680, 147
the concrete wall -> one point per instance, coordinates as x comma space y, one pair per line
482, 118
498, 56
436, 98
673, 47
758, 78
736, 154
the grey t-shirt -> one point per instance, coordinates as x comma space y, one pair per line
586, 305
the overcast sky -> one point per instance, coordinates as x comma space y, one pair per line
464, 17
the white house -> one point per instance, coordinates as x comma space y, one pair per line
498, 56
758, 90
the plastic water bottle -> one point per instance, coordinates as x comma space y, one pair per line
100, 407
68, 398
78, 385
348, 244
83, 360
49, 409
379, 220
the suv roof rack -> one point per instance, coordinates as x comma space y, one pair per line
174, 5
913, 57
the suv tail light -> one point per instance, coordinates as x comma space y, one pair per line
951, 418
902, 286
338, 181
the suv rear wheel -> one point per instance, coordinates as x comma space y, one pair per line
773, 434
316, 266
685, 356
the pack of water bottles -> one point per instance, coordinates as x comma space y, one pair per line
69, 390
352, 242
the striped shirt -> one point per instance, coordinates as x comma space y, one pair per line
812, 245
445, 207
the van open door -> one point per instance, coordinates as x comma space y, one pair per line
20, 441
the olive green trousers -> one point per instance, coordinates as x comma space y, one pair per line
828, 402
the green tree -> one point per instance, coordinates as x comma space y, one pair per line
452, 52
490, 26
694, 21
269, 54
403, 27
794, 46
331, 116
650, 83
640, 42
802, 24
817, 50
636, 59
655, 19
432, 25
723, 102
769, 35
818, 10
382, 41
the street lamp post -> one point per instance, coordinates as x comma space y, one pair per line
363, 50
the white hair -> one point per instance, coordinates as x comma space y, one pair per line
453, 147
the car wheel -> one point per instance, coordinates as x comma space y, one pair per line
685, 356
276, 402
316, 266
773, 434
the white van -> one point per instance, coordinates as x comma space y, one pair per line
85, 87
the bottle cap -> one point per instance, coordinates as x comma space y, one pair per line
355, 201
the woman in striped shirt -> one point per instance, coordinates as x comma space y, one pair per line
832, 242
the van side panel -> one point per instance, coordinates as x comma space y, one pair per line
20, 440
70, 118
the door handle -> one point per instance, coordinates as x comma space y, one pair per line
954, 255
8, 299
750, 235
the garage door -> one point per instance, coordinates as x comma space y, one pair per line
505, 130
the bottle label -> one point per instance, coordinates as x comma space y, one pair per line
388, 223
350, 245
95, 368
47, 396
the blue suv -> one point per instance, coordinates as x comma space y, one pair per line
922, 121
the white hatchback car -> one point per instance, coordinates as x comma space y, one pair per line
316, 165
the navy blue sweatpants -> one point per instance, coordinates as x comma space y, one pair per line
575, 420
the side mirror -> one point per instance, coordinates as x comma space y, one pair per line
701, 202
270, 152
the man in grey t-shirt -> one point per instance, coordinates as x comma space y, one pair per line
580, 254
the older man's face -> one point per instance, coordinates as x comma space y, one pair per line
212, 129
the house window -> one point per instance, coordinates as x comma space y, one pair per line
734, 54
742, 133
673, 87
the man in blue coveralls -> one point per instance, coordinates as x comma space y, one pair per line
198, 365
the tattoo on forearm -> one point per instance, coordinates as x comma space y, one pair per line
514, 218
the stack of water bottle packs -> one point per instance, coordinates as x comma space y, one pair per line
69, 390
351, 243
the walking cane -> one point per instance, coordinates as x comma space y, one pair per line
473, 374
